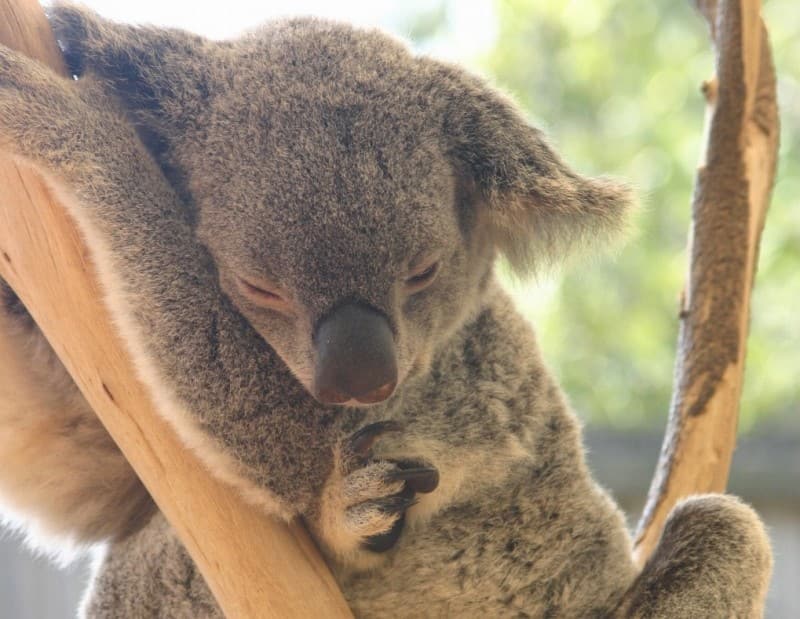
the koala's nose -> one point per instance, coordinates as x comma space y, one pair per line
355, 356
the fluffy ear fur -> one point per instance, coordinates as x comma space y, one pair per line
538, 208
160, 76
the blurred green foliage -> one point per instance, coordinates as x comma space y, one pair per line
616, 85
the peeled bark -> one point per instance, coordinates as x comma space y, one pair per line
732, 193
254, 565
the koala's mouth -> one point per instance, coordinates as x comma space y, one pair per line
376, 396
356, 404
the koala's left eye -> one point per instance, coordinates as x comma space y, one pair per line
422, 277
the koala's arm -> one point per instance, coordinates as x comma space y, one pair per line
215, 379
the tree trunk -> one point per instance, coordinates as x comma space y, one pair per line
732, 192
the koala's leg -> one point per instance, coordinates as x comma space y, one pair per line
713, 560
223, 389
58, 465
150, 574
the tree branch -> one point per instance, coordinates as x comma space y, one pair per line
732, 192
255, 566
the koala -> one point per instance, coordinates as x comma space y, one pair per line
296, 233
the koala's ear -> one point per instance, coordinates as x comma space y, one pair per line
159, 75
539, 210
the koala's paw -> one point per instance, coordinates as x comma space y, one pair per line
365, 500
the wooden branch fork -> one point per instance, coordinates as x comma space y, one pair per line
254, 565
258, 567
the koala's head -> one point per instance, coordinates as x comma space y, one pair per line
354, 196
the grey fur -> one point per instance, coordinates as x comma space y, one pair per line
327, 159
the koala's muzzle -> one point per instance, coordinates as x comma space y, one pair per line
355, 356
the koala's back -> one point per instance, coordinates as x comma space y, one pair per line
60, 467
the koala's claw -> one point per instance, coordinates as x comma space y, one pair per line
422, 479
397, 504
362, 440
385, 541
388, 510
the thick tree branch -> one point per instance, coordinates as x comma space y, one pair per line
732, 193
255, 566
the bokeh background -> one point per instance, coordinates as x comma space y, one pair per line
615, 83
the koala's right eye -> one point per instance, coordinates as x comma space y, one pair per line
263, 294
